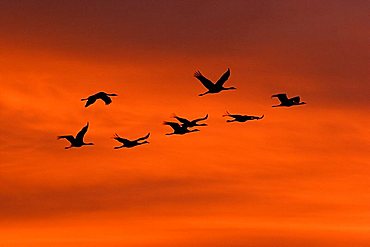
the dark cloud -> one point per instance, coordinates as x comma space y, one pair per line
319, 47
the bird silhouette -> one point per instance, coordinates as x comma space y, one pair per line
241, 118
285, 101
214, 87
101, 95
128, 143
189, 124
178, 129
78, 141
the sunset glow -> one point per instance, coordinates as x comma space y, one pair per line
297, 177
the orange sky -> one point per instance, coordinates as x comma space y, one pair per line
299, 177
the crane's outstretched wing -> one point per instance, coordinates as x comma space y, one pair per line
121, 140
182, 120
282, 97
107, 100
200, 119
90, 100
223, 78
207, 83
143, 138
80, 135
173, 125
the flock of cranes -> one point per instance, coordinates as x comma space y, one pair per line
183, 126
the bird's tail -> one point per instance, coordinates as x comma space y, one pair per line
227, 114
83, 99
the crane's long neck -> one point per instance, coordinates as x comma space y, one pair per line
228, 88
141, 143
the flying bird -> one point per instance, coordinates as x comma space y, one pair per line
101, 95
214, 87
131, 143
241, 118
178, 129
285, 101
78, 141
191, 123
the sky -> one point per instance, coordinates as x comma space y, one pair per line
298, 177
